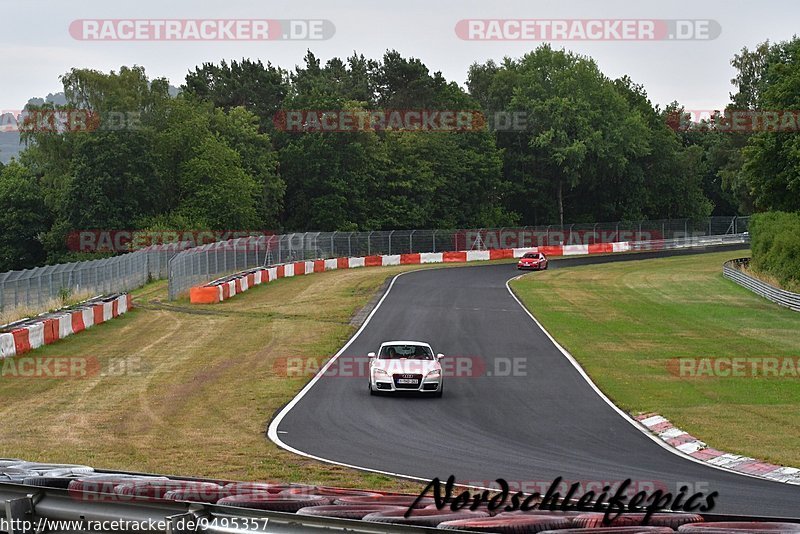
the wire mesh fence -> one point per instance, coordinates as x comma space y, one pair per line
185, 267
39, 288
202, 264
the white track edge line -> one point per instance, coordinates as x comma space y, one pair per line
272, 431
627, 417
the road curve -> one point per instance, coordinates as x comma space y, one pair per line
527, 429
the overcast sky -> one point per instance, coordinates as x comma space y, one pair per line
37, 46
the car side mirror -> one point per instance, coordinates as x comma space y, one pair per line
439, 356
371, 355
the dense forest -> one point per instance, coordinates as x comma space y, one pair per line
214, 157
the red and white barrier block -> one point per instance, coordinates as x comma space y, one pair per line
220, 290
50, 328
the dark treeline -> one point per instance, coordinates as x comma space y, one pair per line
775, 242
594, 149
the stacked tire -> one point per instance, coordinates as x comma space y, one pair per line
275, 502
673, 521
423, 517
343, 511
510, 523
739, 527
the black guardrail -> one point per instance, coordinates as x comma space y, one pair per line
732, 269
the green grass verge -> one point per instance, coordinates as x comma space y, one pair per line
625, 321
189, 390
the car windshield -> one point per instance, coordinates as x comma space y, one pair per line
531, 255
409, 352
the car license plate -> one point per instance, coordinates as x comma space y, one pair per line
407, 381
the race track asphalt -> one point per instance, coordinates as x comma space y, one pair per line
528, 429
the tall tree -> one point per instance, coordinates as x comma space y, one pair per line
240, 130
204, 153
129, 91
578, 128
112, 182
771, 166
250, 84
23, 218
750, 68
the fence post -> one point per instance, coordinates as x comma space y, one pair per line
183, 267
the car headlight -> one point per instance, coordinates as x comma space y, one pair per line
380, 372
436, 373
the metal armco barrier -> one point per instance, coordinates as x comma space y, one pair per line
36, 288
34, 504
730, 270
187, 265
196, 266
39, 288
690, 242
232, 285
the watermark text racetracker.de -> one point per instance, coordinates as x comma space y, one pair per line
185, 524
526, 238
359, 366
735, 120
103, 241
736, 367
358, 120
587, 29
201, 29
401, 120
66, 120
69, 367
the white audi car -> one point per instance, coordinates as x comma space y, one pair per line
405, 366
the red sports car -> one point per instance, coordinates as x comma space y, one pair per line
534, 261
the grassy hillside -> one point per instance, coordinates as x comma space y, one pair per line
189, 390
626, 323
